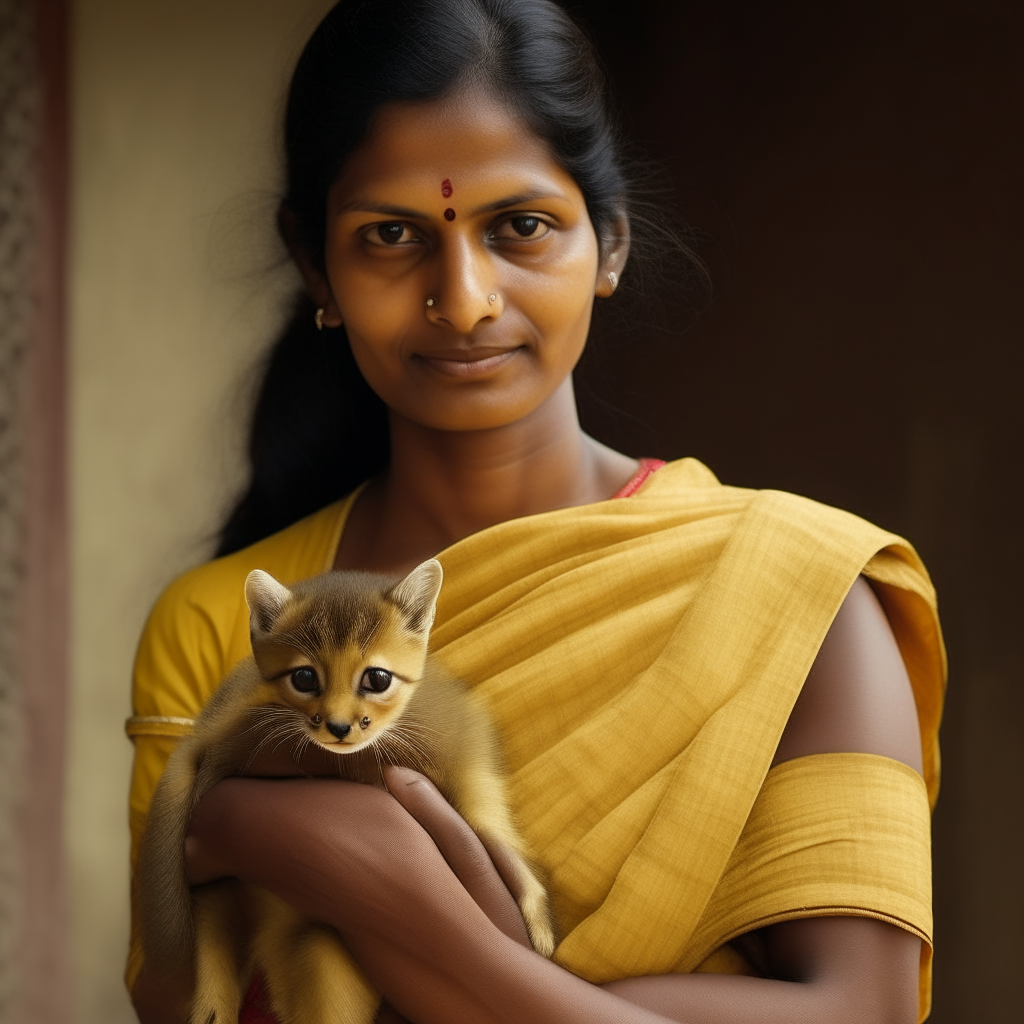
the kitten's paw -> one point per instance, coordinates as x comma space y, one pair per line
537, 914
542, 936
205, 1013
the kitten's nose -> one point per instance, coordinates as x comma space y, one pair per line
339, 729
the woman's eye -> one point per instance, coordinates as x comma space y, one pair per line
375, 680
522, 227
392, 234
304, 680
525, 226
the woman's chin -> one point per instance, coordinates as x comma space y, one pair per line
473, 406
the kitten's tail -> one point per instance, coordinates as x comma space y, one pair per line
161, 884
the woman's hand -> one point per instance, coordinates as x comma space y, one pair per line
438, 934
213, 849
484, 872
380, 828
209, 857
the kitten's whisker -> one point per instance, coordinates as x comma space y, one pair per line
412, 742
283, 734
419, 727
276, 734
384, 746
391, 746
380, 770
421, 745
300, 749
271, 725
410, 753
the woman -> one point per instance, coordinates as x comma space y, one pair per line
721, 734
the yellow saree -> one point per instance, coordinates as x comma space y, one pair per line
640, 658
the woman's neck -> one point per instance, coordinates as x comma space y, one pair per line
442, 486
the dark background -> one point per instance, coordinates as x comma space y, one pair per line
853, 175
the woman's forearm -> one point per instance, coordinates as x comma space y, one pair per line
461, 980
471, 975
354, 858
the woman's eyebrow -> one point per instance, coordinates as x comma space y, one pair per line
406, 213
385, 209
515, 200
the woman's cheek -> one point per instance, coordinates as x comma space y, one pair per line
560, 310
377, 320
565, 290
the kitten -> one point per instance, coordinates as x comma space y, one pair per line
339, 663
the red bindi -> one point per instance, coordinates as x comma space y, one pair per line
446, 188
449, 214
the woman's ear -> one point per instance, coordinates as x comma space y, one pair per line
316, 283
614, 252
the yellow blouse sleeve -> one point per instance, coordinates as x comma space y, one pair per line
180, 660
197, 632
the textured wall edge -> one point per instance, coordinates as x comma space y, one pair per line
34, 975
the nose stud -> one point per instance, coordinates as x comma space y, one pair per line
364, 723
491, 298
431, 302
316, 719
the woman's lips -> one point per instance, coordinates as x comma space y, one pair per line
469, 362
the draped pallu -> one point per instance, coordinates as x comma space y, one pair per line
640, 659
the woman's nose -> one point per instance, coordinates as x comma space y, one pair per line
465, 292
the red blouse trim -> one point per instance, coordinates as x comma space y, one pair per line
648, 467
256, 1008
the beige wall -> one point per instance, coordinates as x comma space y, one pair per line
175, 108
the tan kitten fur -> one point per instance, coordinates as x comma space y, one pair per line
319, 651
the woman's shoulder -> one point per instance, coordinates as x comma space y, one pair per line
303, 549
198, 629
778, 535
689, 484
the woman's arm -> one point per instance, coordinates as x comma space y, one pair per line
438, 957
857, 699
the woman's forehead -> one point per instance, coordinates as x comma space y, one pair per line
469, 148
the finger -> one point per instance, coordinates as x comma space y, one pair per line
461, 847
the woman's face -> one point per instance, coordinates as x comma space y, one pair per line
460, 258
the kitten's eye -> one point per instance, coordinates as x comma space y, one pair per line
391, 234
304, 680
375, 680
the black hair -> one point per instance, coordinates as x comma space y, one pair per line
318, 429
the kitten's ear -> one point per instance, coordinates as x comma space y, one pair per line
417, 594
266, 599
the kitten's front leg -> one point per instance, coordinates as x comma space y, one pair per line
311, 977
219, 953
527, 889
485, 807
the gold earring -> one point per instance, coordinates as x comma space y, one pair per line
613, 279
318, 318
